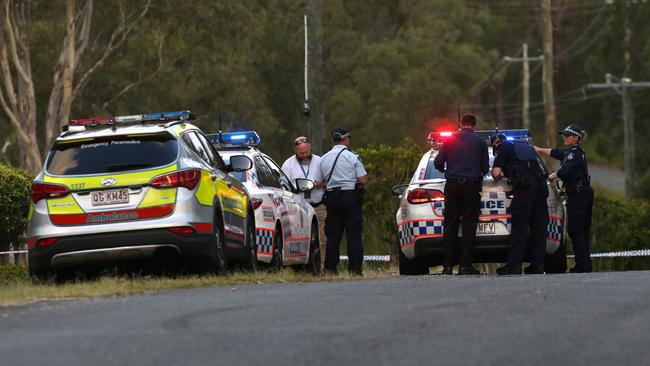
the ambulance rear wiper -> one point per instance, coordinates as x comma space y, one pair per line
126, 166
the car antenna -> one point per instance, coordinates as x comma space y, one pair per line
458, 106
496, 120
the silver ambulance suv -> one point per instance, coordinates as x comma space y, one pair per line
138, 186
420, 220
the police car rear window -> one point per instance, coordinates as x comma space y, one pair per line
112, 154
431, 172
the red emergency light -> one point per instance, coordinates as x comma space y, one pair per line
93, 121
439, 137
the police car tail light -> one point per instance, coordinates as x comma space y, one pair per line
422, 195
256, 202
185, 178
42, 191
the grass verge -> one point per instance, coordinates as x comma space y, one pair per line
16, 287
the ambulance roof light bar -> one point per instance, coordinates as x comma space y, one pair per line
235, 139
136, 118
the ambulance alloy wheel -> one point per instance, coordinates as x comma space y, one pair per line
276, 260
556, 262
220, 260
313, 266
412, 267
250, 263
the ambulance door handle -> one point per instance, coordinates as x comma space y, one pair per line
228, 183
214, 177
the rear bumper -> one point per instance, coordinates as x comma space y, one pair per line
486, 248
105, 248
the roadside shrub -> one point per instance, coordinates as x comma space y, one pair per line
619, 223
386, 166
15, 187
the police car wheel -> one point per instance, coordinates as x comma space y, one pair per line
277, 260
251, 260
313, 266
412, 267
220, 260
556, 262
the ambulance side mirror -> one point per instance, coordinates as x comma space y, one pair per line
399, 190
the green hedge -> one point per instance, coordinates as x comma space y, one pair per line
619, 223
15, 188
386, 166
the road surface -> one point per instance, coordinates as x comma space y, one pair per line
576, 319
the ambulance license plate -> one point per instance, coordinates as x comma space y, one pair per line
110, 197
485, 228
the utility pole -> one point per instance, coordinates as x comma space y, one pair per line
525, 60
547, 75
314, 11
624, 87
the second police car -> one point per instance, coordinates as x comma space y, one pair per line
286, 227
138, 186
420, 222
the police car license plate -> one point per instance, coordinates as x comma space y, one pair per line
485, 228
110, 197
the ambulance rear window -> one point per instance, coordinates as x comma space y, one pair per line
112, 154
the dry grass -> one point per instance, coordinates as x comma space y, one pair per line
17, 289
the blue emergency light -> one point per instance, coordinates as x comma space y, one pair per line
511, 135
235, 139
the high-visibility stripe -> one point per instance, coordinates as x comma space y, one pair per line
108, 217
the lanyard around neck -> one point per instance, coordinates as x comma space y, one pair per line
303, 170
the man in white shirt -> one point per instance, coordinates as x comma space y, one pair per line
306, 165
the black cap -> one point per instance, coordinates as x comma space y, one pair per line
572, 130
339, 134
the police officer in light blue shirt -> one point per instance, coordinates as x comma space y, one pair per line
344, 176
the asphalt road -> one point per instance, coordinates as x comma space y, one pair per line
585, 319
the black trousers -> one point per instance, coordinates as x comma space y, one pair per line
344, 214
579, 206
529, 211
462, 204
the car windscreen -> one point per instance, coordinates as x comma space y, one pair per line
112, 154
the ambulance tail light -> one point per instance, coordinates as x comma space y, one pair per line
422, 195
256, 202
185, 178
42, 191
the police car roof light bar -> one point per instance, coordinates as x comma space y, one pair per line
135, 118
511, 135
438, 137
235, 139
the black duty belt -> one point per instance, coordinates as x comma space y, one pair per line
315, 204
463, 180
337, 191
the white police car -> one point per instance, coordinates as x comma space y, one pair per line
420, 221
286, 227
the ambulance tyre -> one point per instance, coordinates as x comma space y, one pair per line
412, 267
220, 263
250, 263
556, 262
277, 260
313, 265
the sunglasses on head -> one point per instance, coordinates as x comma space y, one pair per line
301, 140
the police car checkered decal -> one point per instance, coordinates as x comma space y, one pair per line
409, 231
554, 229
264, 238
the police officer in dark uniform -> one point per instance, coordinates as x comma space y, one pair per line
580, 196
517, 161
464, 160
345, 177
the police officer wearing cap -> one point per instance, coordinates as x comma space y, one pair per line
517, 161
464, 160
344, 176
580, 196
